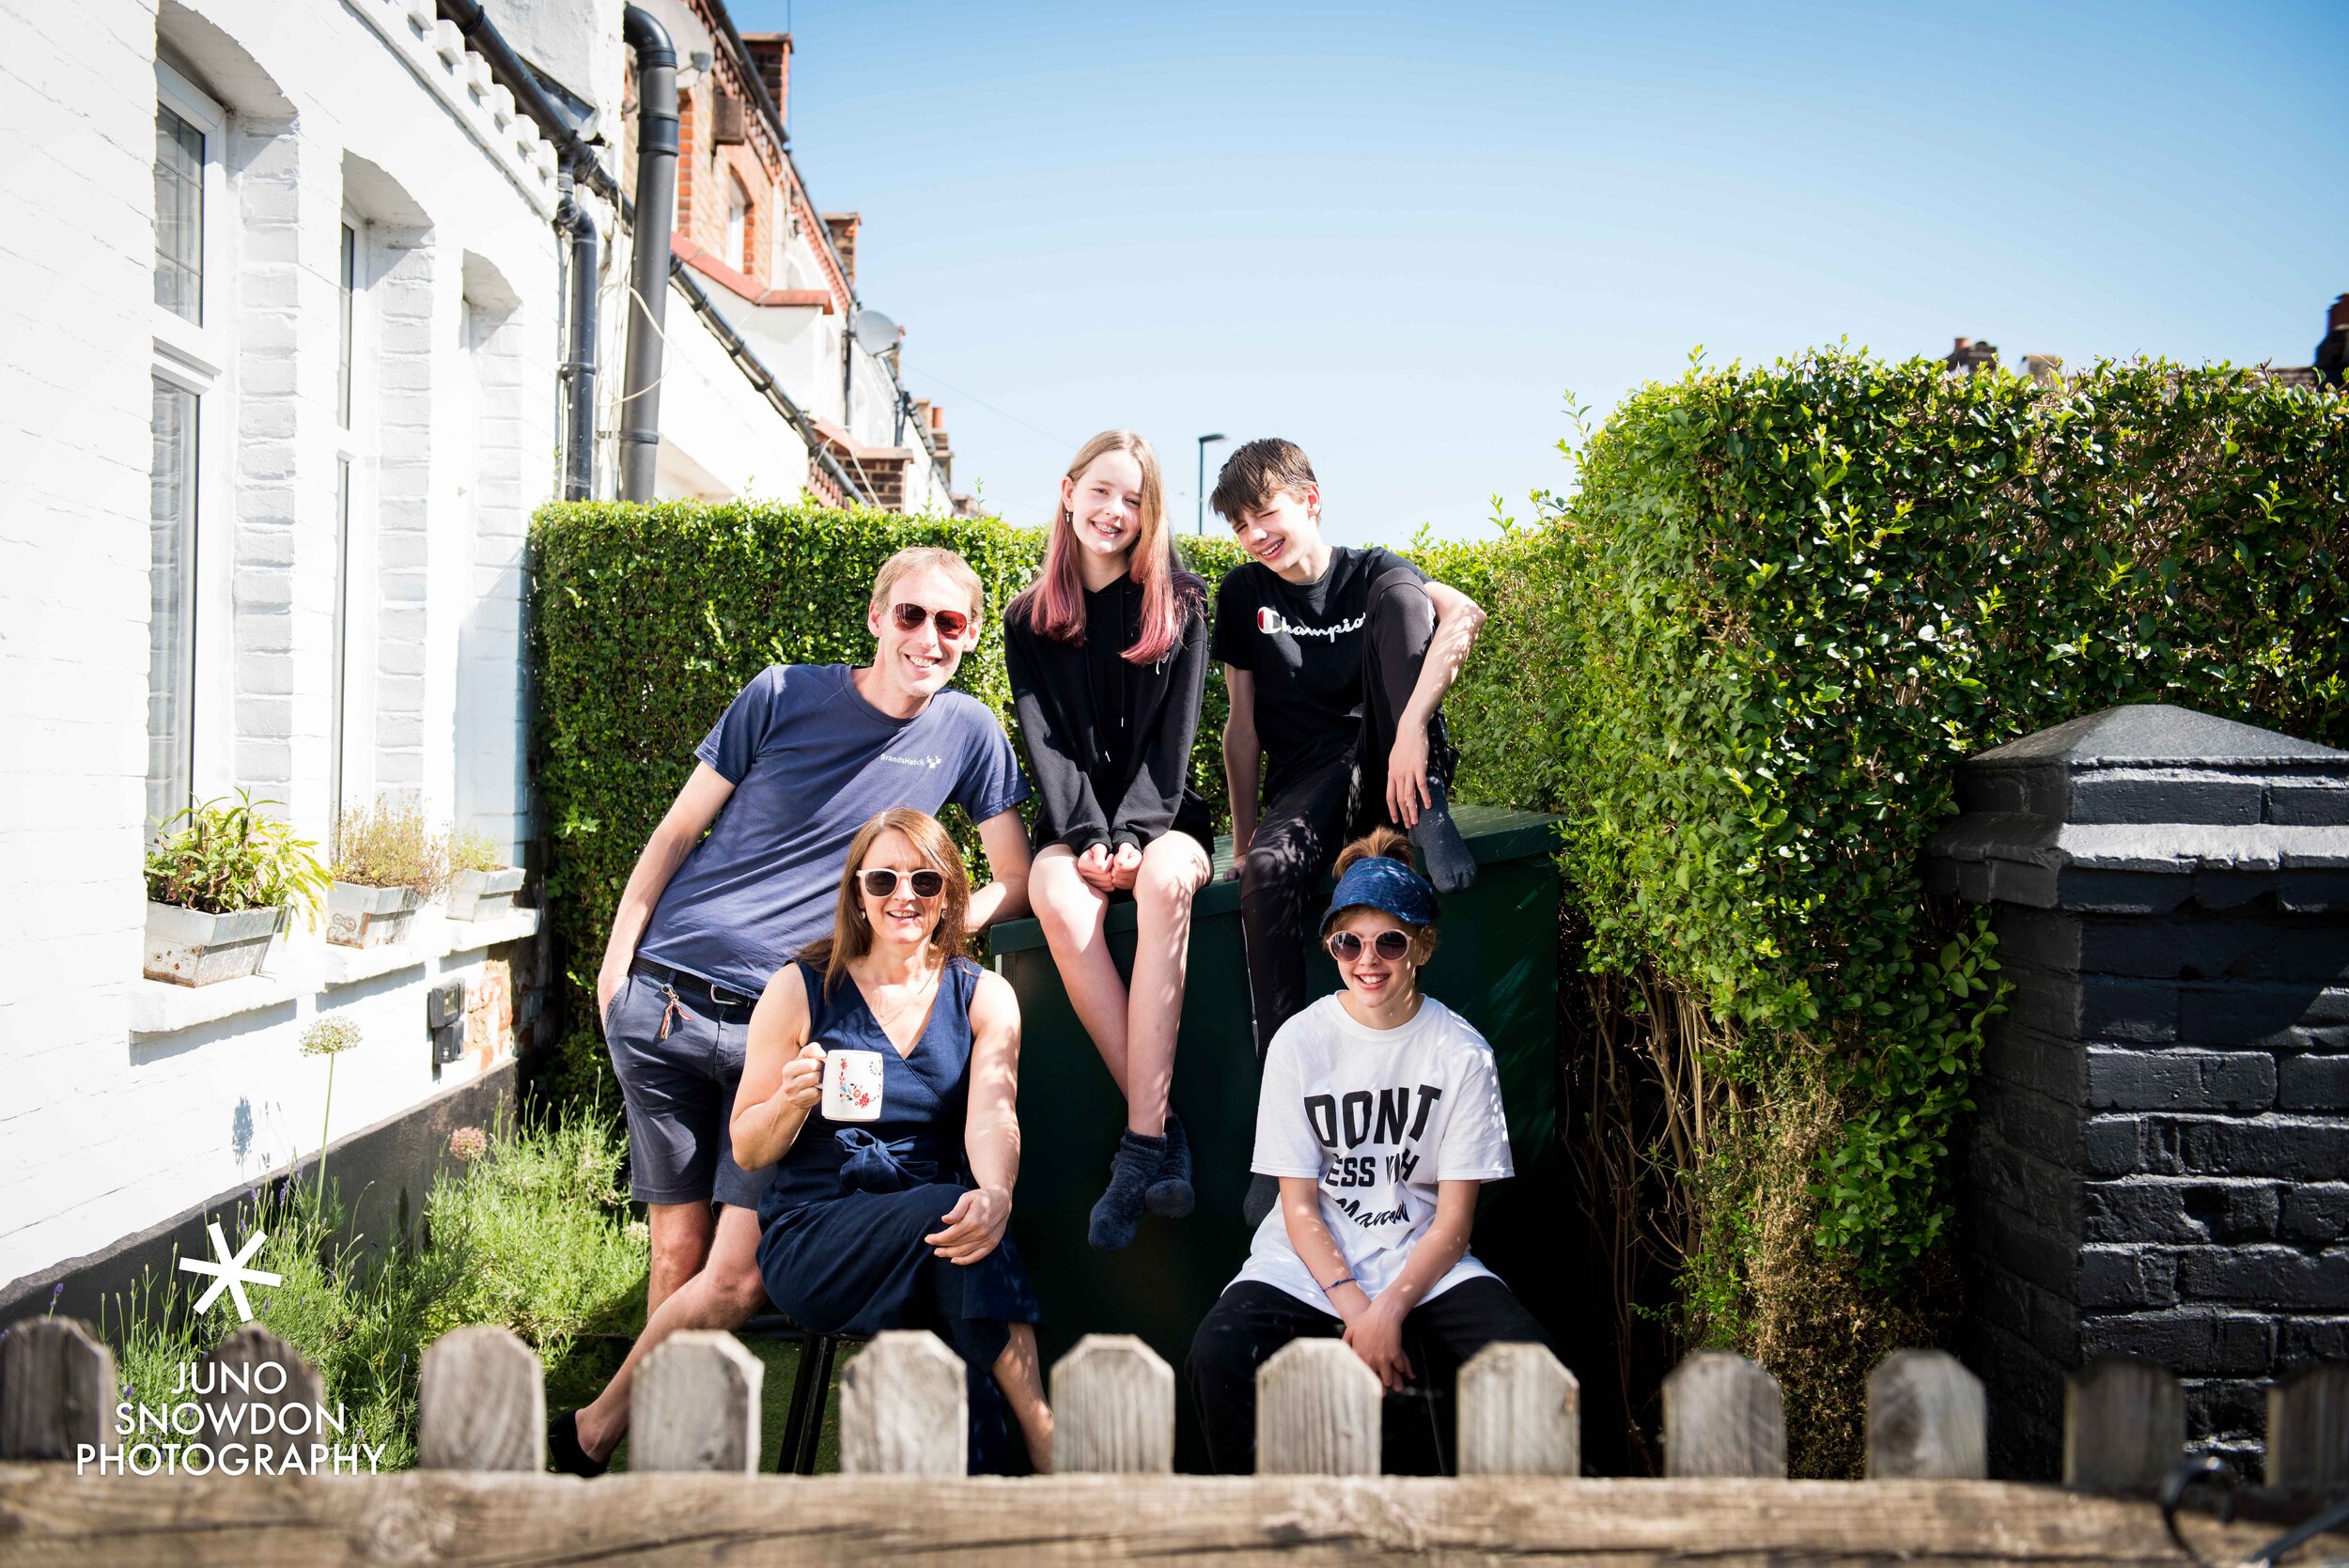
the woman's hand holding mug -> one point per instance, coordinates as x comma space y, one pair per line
803, 1078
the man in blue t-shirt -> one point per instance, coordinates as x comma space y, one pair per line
803, 756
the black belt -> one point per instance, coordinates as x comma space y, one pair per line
693, 990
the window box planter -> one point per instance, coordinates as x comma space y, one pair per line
361, 916
189, 947
484, 894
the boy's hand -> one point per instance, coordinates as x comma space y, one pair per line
1407, 776
1377, 1337
1123, 865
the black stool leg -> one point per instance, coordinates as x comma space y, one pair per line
816, 1370
794, 1416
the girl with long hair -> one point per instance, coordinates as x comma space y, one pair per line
1108, 657
889, 1205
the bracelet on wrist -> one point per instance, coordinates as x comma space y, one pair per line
1331, 1288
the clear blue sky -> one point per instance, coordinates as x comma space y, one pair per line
1399, 235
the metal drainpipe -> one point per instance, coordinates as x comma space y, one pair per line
649, 268
579, 370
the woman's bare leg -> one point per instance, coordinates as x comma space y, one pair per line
1173, 869
1020, 1376
1073, 914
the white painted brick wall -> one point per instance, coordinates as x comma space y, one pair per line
107, 1132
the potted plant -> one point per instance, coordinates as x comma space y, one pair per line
480, 886
387, 863
221, 878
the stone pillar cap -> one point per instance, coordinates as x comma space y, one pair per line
2144, 808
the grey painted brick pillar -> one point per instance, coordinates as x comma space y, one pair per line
2160, 1164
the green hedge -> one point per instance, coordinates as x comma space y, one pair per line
1742, 658
1782, 603
646, 620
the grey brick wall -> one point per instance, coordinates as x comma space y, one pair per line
2159, 1165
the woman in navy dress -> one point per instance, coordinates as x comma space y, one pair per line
899, 1221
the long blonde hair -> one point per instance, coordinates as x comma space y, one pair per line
852, 934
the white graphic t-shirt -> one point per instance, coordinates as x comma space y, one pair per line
1379, 1116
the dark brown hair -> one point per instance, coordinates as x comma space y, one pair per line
1256, 472
852, 934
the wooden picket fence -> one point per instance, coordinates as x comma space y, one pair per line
693, 1492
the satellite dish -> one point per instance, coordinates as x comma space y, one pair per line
877, 333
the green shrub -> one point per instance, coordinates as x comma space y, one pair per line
224, 858
390, 845
532, 1232
1747, 654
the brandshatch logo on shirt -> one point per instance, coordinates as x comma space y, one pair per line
912, 762
1272, 623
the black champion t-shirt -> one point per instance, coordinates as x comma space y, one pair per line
1303, 642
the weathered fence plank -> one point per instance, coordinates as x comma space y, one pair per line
694, 1406
1520, 1413
1724, 1416
2307, 1430
482, 1402
904, 1409
1928, 1419
241, 1372
2124, 1426
1316, 1411
1113, 1408
57, 1389
49, 1516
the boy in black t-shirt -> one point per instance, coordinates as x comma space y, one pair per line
1336, 661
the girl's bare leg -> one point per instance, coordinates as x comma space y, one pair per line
1020, 1376
1073, 914
1173, 869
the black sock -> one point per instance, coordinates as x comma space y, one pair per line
1118, 1215
1170, 1194
1437, 839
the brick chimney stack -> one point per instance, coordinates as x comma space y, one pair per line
844, 226
771, 53
1971, 356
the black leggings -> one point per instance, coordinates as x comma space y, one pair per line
1251, 1321
1309, 820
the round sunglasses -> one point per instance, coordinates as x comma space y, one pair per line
883, 883
950, 623
1390, 944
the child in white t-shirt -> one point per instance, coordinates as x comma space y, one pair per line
1380, 1116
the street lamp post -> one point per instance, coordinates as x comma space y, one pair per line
1201, 527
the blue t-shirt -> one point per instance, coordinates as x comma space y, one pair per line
811, 762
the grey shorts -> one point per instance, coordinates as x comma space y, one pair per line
680, 1094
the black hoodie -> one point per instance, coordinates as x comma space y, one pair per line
1109, 741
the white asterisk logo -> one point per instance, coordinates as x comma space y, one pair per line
230, 1274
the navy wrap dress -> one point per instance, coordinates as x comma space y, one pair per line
841, 1223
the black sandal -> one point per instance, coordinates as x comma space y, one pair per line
564, 1450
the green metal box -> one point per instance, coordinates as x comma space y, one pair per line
1497, 966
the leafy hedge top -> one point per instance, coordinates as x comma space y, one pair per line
1784, 604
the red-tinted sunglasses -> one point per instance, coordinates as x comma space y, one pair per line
952, 623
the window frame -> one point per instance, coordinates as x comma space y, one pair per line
198, 352
352, 706
196, 358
